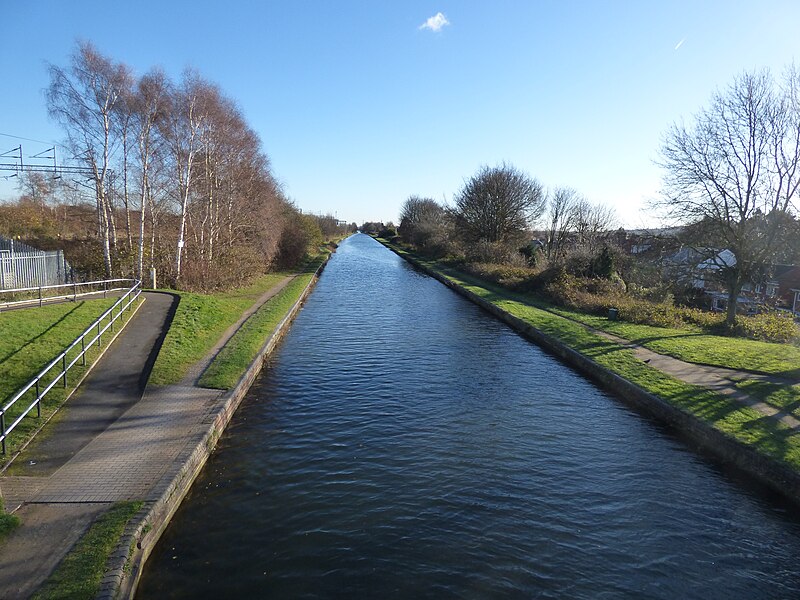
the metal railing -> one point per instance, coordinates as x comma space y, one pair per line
38, 385
38, 294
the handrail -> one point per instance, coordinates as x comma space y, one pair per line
128, 298
41, 299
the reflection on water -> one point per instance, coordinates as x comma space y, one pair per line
404, 444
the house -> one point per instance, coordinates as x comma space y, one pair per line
778, 288
781, 288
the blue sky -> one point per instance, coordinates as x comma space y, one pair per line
358, 108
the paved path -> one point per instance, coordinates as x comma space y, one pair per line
718, 379
131, 448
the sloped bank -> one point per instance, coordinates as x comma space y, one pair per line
764, 468
126, 564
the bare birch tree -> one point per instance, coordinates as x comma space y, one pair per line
147, 105
82, 99
181, 128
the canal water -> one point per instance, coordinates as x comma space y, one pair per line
404, 444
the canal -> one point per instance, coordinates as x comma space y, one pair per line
404, 444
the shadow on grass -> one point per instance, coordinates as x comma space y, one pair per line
42, 334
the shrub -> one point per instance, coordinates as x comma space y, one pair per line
510, 277
596, 295
769, 326
388, 232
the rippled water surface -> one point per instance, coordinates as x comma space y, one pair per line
404, 444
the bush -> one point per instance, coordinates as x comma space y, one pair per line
388, 232
770, 326
596, 295
496, 253
507, 276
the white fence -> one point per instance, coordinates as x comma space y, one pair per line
23, 266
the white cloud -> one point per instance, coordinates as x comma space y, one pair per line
680, 43
435, 23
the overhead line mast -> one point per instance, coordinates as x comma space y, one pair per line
19, 166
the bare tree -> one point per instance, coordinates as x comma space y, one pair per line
122, 116
592, 222
562, 205
83, 99
181, 128
736, 171
147, 105
498, 205
417, 217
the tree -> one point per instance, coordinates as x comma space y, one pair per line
83, 100
562, 205
419, 218
592, 222
498, 204
736, 171
147, 105
181, 127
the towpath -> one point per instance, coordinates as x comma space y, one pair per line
117, 440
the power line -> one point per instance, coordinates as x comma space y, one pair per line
18, 137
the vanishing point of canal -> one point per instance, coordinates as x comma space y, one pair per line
404, 444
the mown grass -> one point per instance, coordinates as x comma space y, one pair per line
785, 398
30, 339
688, 345
701, 348
199, 321
237, 355
741, 422
79, 575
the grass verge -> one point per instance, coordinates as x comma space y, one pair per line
237, 355
199, 321
785, 398
33, 337
79, 575
699, 347
743, 423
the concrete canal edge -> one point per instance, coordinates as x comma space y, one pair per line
763, 468
126, 564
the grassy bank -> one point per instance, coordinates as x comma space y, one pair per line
201, 319
240, 351
685, 344
741, 422
78, 576
33, 337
